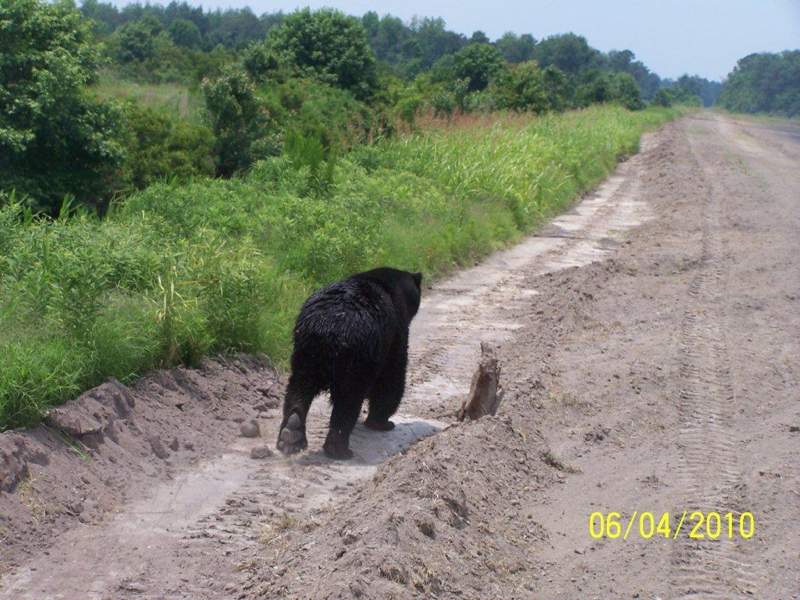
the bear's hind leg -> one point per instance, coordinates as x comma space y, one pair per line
346, 401
385, 396
292, 432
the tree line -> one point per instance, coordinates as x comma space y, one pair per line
403, 48
764, 83
308, 85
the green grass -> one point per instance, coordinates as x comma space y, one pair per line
180, 271
174, 100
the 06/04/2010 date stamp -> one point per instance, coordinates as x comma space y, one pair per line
696, 524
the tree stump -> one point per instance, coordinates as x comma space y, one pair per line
485, 393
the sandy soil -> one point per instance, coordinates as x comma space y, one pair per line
649, 347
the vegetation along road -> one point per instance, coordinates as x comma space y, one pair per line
649, 351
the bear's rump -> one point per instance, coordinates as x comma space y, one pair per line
348, 328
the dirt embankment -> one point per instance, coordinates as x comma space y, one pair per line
116, 443
649, 347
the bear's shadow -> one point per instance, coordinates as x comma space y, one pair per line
371, 448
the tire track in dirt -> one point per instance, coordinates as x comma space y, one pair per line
772, 141
487, 303
708, 568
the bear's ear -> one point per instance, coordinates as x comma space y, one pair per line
418, 279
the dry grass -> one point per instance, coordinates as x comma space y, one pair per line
177, 101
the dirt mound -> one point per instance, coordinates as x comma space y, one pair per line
114, 442
443, 519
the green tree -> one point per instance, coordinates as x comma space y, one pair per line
596, 87
387, 37
569, 52
627, 91
479, 64
559, 87
184, 33
236, 27
625, 61
516, 49
444, 69
261, 63
675, 94
105, 16
371, 22
56, 139
434, 41
693, 85
521, 88
479, 37
240, 123
135, 42
330, 45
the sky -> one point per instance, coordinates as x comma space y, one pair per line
671, 37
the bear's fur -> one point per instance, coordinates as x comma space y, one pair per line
351, 338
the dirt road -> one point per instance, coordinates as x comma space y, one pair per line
649, 342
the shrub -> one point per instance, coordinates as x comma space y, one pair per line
241, 125
627, 91
521, 88
444, 104
559, 87
675, 95
596, 87
190, 151
158, 148
211, 65
663, 98
409, 107
261, 62
478, 64
314, 108
462, 95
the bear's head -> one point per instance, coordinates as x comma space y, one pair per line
404, 287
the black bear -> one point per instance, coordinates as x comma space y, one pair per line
351, 338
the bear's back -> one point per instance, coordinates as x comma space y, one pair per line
348, 314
